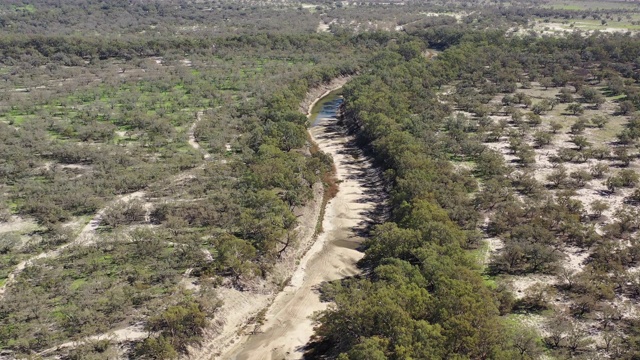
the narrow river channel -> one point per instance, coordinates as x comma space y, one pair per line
288, 326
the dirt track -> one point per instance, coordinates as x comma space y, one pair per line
87, 234
288, 326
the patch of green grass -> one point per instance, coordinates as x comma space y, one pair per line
58, 313
489, 281
480, 253
27, 8
76, 284
12, 205
608, 133
616, 98
566, 6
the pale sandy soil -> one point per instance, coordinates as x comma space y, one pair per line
458, 16
130, 333
520, 284
288, 326
558, 29
324, 27
17, 223
494, 243
240, 308
574, 258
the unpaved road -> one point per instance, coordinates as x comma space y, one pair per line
86, 236
131, 333
288, 326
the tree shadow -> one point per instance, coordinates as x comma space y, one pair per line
362, 169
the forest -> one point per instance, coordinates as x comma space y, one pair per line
156, 168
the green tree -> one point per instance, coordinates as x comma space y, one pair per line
628, 177
575, 109
598, 170
288, 135
369, 349
534, 119
580, 141
622, 153
542, 138
156, 348
598, 207
555, 126
558, 176
613, 182
565, 96
182, 325
579, 126
580, 177
546, 82
600, 121
626, 107
490, 163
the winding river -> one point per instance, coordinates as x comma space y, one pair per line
288, 326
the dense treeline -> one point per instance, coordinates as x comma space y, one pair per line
73, 50
425, 297
223, 17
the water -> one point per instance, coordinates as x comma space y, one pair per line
326, 108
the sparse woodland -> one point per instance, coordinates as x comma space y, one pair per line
510, 160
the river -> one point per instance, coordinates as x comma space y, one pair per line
288, 325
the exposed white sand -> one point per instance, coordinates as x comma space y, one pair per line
17, 223
131, 333
324, 27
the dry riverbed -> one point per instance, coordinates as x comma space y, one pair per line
288, 325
